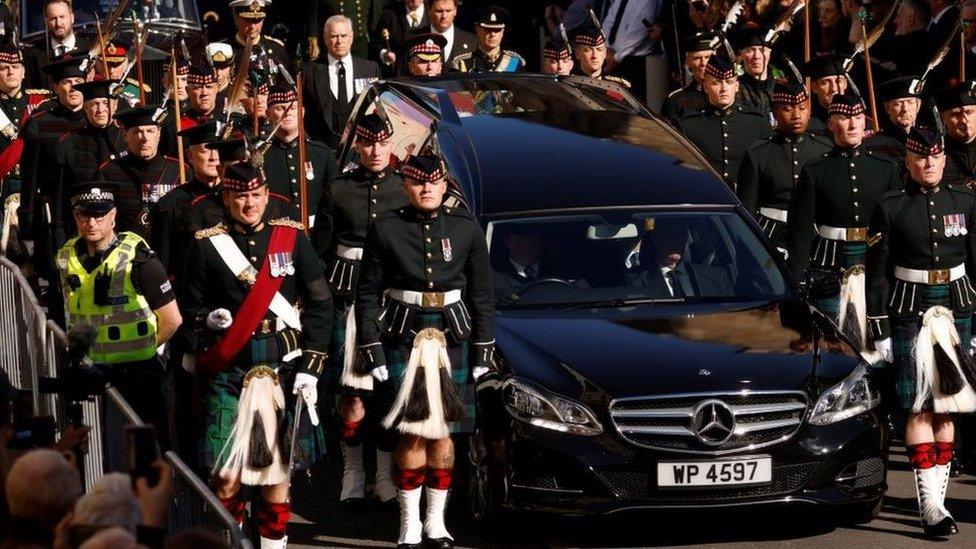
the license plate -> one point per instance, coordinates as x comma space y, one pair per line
726, 472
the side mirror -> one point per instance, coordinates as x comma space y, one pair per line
822, 284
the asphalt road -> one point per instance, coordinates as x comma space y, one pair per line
319, 522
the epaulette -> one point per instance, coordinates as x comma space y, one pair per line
964, 189
456, 211
622, 81
514, 54
273, 39
462, 57
38, 92
135, 82
287, 222
202, 234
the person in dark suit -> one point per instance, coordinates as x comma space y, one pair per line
333, 81
441, 16
672, 265
522, 260
60, 22
397, 22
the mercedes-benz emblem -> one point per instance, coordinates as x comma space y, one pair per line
713, 422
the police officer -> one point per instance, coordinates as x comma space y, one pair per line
249, 18
425, 54
489, 57
827, 79
353, 202
724, 129
557, 58
771, 168
281, 161
835, 197
957, 107
901, 106
590, 50
244, 279
113, 283
920, 302
691, 98
142, 174
80, 152
432, 262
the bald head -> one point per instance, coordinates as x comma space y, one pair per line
42, 486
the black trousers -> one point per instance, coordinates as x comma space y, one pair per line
143, 386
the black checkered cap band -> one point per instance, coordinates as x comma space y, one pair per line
412, 172
428, 46
784, 98
846, 109
368, 135
181, 69
11, 57
916, 147
239, 186
555, 53
95, 195
277, 97
715, 71
200, 79
584, 39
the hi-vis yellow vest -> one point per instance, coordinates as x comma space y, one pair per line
126, 325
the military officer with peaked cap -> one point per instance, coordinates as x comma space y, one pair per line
771, 168
724, 129
691, 97
424, 54
249, 16
920, 296
957, 107
489, 57
830, 209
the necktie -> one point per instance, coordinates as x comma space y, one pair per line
59, 51
343, 96
414, 20
676, 290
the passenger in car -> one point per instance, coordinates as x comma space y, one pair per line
668, 267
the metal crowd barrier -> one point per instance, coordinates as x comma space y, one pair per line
32, 347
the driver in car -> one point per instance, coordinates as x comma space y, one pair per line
522, 261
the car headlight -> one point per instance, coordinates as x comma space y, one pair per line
850, 397
541, 408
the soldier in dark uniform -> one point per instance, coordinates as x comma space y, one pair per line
920, 297
590, 51
282, 167
222, 57
827, 79
724, 129
255, 104
489, 57
756, 81
201, 105
80, 152
691, 98
957, 107
249, 18
15, 105
167, 143
257, 350
350, 205
424, 54
831, 207
901, 106
557, 58
143, 175
432, 262
771, 168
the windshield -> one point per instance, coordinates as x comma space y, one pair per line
177, 11
620, 258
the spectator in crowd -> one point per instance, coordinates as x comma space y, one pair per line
397, 22
834, 28
459, 42
109, 502
908, 49
41, 488
196, 538
59, 18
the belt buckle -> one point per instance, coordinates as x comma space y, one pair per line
939, 276
857, 234
265, 327
432, 300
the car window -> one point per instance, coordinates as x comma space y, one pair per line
614, 258
411, 125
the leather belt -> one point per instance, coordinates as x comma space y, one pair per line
936, 276
427, 300
350, 253
775, 214
846, 234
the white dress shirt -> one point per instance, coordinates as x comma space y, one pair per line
449, 35
334, 76
418, 14
68, 44
631, 37
525, 271
935, 20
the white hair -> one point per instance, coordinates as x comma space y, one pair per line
42, 485
335, 20
110, 502
111, 538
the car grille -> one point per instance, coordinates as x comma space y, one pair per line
641, 486
673, 423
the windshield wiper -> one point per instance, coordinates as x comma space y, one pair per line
621, 302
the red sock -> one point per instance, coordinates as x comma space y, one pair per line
943, 453
439, 479
350, 433
922, 456
273, 519
409, 479
235, 507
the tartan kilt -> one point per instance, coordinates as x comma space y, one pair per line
853, 253
398, 352
904, 331
337, 347
220, 412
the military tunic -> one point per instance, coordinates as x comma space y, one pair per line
756, 93
929, 229
768, 174
173, 229
142, 183
724, 135
281, 167
960, 168
14, 107
271, 46
479, 61
684, 101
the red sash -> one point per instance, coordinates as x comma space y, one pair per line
252, 310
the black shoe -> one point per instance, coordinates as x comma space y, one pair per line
441, 543
955, 468
944, 528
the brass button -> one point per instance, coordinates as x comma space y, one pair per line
375, 187
429, 255
372, 215
430, 284
429, 270
250, 242
372, 201
253, 259
428, 240
853, 178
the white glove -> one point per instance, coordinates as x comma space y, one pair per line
884, 349
307, 384
381, 373
479, 371
219, 319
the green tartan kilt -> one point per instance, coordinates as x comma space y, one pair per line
398, 352
220, 412
904, 331
853, 254
337, 347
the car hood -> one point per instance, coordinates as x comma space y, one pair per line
668, 349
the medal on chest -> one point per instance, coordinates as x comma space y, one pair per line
446, 249
309, 170
955, 224
281, 264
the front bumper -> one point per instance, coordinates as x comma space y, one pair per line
567, 475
